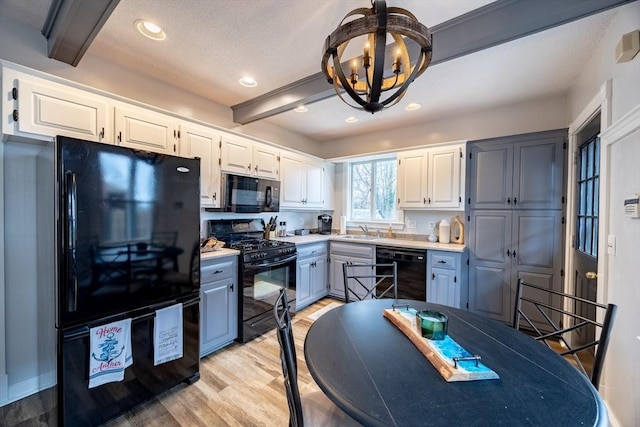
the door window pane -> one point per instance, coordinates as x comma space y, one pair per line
588, 184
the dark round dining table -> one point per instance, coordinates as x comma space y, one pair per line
373, 372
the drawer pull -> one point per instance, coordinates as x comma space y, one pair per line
442, 262
217, 272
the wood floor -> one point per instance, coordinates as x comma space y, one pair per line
240, 385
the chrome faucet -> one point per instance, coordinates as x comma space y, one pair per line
364, 229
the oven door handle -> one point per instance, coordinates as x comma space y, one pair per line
267, 263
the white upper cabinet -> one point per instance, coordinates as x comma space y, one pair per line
444, 183
301, 181
236, 155
146, 130
328, 186
38, 108
204, 143
412, 179
246, 157
266, 161
431, 178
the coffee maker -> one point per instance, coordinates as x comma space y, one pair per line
324, 224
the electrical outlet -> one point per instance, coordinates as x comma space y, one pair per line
432, 225
412, 224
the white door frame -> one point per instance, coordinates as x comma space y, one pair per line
4, 379
601, 103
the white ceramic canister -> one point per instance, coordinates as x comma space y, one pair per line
443, 231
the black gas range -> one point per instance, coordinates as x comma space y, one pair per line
265, 267
255, 251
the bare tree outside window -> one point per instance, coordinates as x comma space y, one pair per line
373, 190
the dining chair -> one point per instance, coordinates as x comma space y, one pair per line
370, 281
309, 409
566, 319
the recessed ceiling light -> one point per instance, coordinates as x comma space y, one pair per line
149, 29
301, 109
413, 106
248, 81
351, 119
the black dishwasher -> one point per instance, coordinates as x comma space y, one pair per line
412, 270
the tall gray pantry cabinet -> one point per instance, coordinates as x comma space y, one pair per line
515, 217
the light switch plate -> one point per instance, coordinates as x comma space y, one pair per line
611, 245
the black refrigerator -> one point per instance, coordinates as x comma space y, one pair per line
128, 232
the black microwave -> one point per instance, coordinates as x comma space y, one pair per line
248, 194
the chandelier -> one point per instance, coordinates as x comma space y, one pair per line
377, 71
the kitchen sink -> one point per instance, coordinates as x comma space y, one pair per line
357, 237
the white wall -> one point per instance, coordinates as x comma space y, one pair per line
621, 388
620, 385
531, 116
28, 279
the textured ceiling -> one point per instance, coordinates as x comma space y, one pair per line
211, 43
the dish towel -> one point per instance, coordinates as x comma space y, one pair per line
110, 352
167, 334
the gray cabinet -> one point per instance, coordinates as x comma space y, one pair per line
218, 303
311, 274
515, 220
521, 172
446, 278
341, 253
506, 246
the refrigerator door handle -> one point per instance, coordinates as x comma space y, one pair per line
72, 238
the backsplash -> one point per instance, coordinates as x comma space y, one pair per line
294, 220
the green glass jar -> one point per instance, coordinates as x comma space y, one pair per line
433, 324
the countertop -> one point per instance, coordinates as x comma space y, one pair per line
382, 241
222, 252
352, 238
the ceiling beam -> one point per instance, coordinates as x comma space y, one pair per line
71, 26
496, 23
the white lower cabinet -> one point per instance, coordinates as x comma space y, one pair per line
218, 303
311, 274
447, 279
341, 253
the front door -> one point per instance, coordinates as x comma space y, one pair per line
586, 240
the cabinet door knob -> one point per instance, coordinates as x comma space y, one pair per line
433, 276
508, 200
515, 200
508, 252
231, 287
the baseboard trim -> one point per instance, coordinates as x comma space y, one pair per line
28, 387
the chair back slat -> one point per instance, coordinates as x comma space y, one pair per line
370, 281
525, 306
288, 358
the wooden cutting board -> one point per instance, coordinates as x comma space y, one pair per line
440, 353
